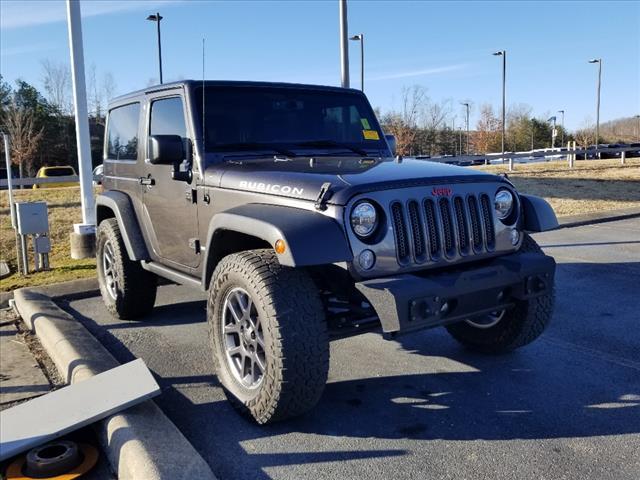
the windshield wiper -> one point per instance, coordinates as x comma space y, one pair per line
255, 146
332, 144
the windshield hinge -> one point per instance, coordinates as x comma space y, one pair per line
323, 196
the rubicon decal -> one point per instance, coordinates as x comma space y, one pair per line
272, 188
441, 191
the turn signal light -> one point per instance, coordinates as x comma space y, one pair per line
280, 247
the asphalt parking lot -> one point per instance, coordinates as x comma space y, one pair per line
567, 406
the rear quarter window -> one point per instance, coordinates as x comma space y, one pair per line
59, 171
122, 132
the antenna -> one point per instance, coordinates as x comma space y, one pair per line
203, 104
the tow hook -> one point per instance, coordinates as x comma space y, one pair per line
323, 196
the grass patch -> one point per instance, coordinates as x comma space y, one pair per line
592, 186
64, 211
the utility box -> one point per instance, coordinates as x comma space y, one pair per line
32, 218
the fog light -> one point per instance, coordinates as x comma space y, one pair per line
366, 259
515, 237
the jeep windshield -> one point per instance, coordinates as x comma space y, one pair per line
288, 120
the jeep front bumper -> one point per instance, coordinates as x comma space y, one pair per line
413, 301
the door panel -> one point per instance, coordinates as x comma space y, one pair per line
171, 215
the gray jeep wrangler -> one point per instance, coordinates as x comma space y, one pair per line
285, 203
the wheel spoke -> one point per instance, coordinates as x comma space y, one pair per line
232, 328
243, 338
236, 316
260, 362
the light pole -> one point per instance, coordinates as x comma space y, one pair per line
503, 54
599, 62
553, 131
360, 37
466, 104
157, 18
562, 126
344, 48
638, 127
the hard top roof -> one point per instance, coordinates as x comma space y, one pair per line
224, 83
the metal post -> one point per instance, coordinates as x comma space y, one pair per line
622, 157
598, 103
466, 104
344, 47
362, 62
562, 125
23, 248
12, 206
84, 232
553, 133
504, 102
159, 47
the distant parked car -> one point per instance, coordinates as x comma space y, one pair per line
635, 152
611, 154
58, 171
97, 174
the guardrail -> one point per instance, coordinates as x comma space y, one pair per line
570, 154
18, 182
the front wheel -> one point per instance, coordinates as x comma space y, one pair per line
505, 330
268, 335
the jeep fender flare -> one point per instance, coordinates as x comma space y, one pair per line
310, 238
118, 204
538, 214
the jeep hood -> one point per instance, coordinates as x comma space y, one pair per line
303, 177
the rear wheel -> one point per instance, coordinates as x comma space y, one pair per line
128, 291
505, 330
268, 335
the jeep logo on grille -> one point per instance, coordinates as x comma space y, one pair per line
441, 191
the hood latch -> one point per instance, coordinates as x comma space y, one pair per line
324, 195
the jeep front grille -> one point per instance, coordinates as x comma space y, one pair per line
428, 230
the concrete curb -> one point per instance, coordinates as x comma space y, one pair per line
141, 442
598, 217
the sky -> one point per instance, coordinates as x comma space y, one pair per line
443, 46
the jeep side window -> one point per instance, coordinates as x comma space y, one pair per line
122, 136
167, 117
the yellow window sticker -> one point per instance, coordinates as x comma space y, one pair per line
370, 135
365, 124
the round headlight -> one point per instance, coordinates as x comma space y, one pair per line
503, 204
364, 219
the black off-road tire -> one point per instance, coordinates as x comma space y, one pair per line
294, 329
519, 326
135, 288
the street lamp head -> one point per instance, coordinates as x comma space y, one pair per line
356, 37
595, 60
561, 111
155, 18
499, 54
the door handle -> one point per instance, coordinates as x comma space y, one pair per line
146, 181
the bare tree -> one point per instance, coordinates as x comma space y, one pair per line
403, 124
586, 135
25, 138
57, 84
108, 87
94, 97
487, 137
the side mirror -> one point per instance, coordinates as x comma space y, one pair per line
166, 149
391, 141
